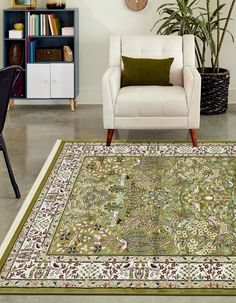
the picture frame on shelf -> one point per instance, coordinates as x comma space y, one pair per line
23, 3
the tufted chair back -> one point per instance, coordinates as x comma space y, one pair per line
181, 48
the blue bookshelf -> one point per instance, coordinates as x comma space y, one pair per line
64, 86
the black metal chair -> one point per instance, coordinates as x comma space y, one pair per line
8, 78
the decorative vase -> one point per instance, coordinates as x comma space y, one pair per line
19, 26
215, 91
16, 53
53, 4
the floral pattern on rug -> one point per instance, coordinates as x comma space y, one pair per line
150, 206
131, 216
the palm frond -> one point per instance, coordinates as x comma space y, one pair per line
207, 24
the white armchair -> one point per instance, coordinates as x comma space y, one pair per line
153, 107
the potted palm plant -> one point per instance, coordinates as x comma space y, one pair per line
209, 25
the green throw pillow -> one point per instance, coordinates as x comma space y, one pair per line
142, 71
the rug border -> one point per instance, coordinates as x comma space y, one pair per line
27, 205
147, 141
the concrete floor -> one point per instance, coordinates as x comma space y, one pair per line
30, 134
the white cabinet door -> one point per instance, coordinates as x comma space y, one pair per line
62, 80
38, 81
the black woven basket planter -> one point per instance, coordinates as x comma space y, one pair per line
215, 91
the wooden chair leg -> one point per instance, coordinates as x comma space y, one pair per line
110, 133
193, 134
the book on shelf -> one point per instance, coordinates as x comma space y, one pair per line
51, 18
31, 44
41, 25
57, 24
32, 25
28, 23
46, 24
36, 24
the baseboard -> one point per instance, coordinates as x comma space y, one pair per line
92, 96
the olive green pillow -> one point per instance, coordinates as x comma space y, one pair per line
142, 71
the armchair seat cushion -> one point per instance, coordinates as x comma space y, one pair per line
151, 101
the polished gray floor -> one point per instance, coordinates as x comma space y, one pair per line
30, 134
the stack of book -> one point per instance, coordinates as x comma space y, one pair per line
43, 25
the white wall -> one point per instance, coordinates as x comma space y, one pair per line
101, 18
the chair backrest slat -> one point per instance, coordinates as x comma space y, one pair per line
8, 77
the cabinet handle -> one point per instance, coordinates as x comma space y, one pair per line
45, 81
54, 81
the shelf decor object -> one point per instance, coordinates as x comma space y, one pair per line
136, 5
52, 4
16, 53
47, 73
24, 3
19, 26
16, 34
67, 53
48, 54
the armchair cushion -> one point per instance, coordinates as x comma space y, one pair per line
144, 71
151, 101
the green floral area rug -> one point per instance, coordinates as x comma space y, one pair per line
133, 218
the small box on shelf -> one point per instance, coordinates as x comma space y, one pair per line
16, 34
67, 31
48, 54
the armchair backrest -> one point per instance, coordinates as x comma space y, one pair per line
181, 48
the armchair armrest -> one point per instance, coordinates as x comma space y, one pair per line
192, 86
110, 87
